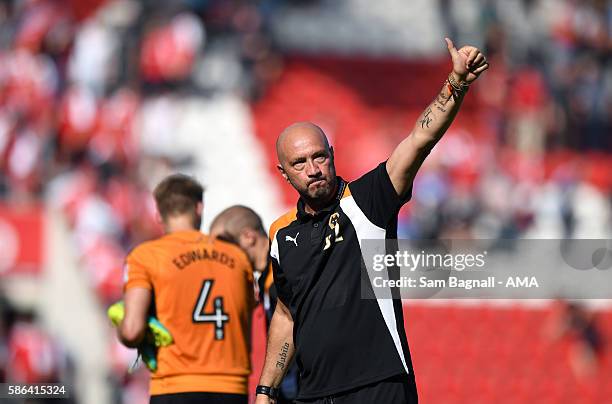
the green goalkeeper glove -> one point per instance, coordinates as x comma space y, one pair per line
156, 335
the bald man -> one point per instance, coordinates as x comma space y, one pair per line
349, 349
242, 226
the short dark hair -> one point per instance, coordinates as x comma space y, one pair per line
178, 194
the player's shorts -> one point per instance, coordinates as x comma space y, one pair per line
200, 398
399, 389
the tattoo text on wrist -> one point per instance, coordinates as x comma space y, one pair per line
441, 100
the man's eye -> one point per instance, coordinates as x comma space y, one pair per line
298, 166
320, 159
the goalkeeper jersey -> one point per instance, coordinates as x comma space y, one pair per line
203, 294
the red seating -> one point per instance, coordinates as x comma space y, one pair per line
496, 355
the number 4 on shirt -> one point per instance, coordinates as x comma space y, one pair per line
217, 317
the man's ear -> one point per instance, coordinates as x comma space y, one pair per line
198, 215
282, 171
248, 238
158, 218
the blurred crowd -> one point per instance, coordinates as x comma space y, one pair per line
555, 55
74, 80
27, 353
547, 102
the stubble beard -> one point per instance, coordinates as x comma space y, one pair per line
320, 196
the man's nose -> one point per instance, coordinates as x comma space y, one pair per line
312, 169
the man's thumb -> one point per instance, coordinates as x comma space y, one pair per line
451, 46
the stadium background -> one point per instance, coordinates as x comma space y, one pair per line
100, 99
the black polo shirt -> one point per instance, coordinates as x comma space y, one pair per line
342, 341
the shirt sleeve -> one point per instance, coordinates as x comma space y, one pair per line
283, 290
376, 197
138, 270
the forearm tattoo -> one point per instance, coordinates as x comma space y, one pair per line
440, 103
282, 356
427, 118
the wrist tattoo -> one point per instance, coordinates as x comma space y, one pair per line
282, 356
441, 100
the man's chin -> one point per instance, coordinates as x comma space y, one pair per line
320, 193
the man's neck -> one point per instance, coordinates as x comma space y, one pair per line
262, 254
179, 223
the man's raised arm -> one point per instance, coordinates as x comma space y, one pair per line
279, 351
406, 159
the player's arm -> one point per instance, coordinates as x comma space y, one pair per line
279, 351
406, 159
132, 329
